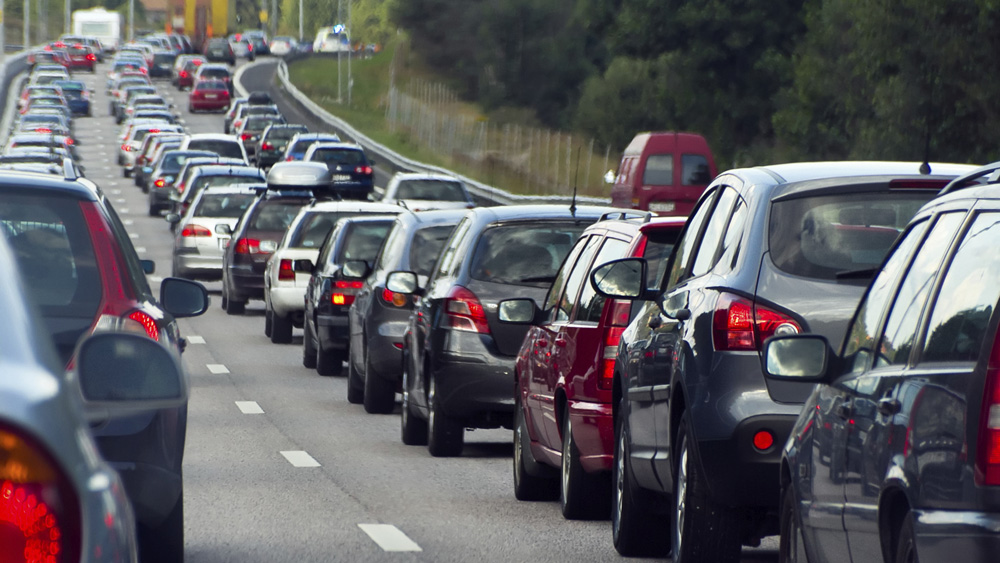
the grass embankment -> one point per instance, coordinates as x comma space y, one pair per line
512, 162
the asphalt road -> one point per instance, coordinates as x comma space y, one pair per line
247, 499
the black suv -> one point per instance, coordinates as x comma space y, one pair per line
767, 251
896, 455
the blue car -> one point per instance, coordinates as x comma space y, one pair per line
299, 145
77, 96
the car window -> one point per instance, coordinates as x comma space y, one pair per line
708, 249
694, 170
682, 256
434, 190
730, 250
658, 247
968, 296
447, 265
659, 170
137, 277
575, 280
363, 240
392, 249
230, 206
860, 339
282, 133
425, 247
559, 283
338, 156
314, 228
275, 215
591, 302
523, 254
903, 321
229, 149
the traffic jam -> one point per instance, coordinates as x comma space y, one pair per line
795, 362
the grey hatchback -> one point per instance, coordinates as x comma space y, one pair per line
896, 454
771, 250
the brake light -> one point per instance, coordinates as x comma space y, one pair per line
345, 292
266, 146
195, 231
142, 69
197, 62
393, 298
38, 508
43, 130
126, 147
237, 124
740, 324
70, 142
289, 158
465, 312
148, 323
247, 246
91, 57
180, 188
363, 170
246, 136
285, 272
183, 74
763, 440
988, 445
159, 183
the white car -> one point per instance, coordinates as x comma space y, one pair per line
228, 146
129, 149
284, 285
422, 192
281, 46
199, 243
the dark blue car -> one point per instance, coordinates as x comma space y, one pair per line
77, 96
350, 168
299, 145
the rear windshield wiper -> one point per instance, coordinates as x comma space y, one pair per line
863, 273
547, 279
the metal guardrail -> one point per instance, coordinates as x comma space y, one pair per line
478, 189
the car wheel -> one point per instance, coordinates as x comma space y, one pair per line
328, 362
380, 394
582, 495
791, 548
234, 306
695, 512
308, 348
446, 434
165, 543
637, 528
355, 386
412, 429
281, 329
153, 211
906, 547
528, 487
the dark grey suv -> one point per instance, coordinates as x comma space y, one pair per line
896, 455
771, 250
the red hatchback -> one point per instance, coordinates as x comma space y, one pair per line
565, 366
211, 95
185, 76
81, 57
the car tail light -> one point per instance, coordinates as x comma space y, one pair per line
988, 445
196, 62
180, 188
289, 158
183, 74
91, 57
160, 182
763, 440
237, 124
70, 142
616, 323
246, 136
740, 324
345, 291
195, 231
39, 511
285, 271
126, 147
43, 130
363, 170
393, 298
465, 312
266, 146
247, 246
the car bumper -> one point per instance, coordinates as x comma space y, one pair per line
942, 534
472, 380
287, 300
594, 433
246, 283
210, 104
385, 350
333, 330
79, 107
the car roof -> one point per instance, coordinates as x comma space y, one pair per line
502, 213
809, 171
228, 170
36, 182
425, 176
349, 205
212, 137
336, 145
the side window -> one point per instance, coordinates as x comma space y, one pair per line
559, 284
968, 296
659, 170
694, 170
904, 317
860, 339
708, 250
592, 303
447, 261
734, 232
576, 278
685, 248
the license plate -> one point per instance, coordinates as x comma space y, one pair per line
211, 96
341, 178
662, 206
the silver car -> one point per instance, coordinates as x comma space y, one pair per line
199, 243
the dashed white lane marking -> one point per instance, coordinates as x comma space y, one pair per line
193, 339
389, 537
128, 221
155, 279
117, 192
123, 210
217, 368
133, 235
249, 407
140, 250
300, 458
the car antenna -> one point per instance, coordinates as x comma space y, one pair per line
576, 176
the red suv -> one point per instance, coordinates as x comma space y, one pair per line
565, 366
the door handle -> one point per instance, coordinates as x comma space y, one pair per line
845, 410
888, 406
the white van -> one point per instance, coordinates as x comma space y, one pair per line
332, 39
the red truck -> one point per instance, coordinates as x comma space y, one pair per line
663, 172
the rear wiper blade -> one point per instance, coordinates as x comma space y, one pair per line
548, 279
862, 273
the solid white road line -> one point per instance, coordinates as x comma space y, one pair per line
389, 537
194, 339
300, 458
217, 368
249, 407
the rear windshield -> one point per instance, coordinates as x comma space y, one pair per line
313, 229
164, 58
210, 85
302, 146
523, 254
259, 123
339, 156
659, 170
215, 73
435, 190
275, 215
283, 133
363, 240
426, 246
174, 162
260, 110
823, 236
230, 149
230, 206
221, 180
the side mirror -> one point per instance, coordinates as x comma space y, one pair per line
148, 266
172, 218
621, 279
797, 357
303, 266
120, 373
517, 311
183, 298
223, 229
355, 269
402, 282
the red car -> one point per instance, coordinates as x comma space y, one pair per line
211, 95
563, 418
185, 76
82, 57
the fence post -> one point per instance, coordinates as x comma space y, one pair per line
590, 157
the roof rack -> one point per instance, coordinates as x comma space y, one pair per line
626, 215
968, 180
69, 170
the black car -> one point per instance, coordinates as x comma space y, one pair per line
899, 443
163, 64
273, 141
218, 50
351, 169
379, 316
767, 251
458, 359
336, 278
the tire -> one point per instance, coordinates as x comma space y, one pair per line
355, 386
165, 543
528, 487
791, 548
267, 322
703, 529
637, 528
906, 546
233, 306
582, 495
412, 429
281, 329
446, 435
328, 362
153, 211
308, 348
380, 394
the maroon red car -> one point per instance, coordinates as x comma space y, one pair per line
81, 57
209, 95
185, 76
564, 420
